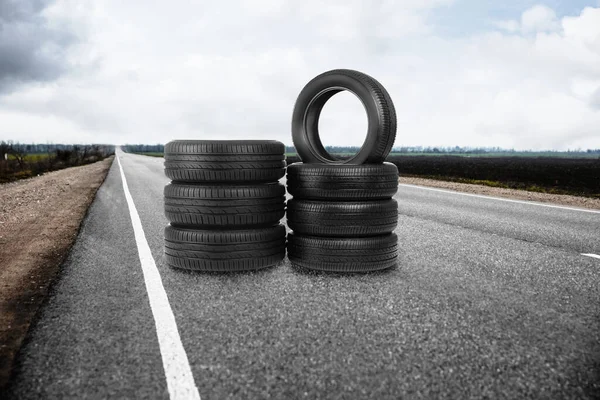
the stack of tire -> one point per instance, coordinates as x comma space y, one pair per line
342, 213
224, 204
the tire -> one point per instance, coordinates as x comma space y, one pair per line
343, 254
342, 219
225, 160
342, 182
224, 251
224, 206
381, 115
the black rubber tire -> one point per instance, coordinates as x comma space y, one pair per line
342, 219
343, 254
224, 251
342, 182
224, 206
225, 160
381, 115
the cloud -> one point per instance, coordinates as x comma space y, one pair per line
538, 18
30, 49
153, 72
202, 71
511, 25
595, 99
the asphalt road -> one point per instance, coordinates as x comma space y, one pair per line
490, 299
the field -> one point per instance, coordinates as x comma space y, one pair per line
16, 163
469, 153
150, 153
30, 157
543, 174
560, 175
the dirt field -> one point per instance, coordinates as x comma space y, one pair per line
565, 200
39, 220
572, 176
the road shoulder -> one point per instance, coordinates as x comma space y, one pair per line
39, 221
560, 199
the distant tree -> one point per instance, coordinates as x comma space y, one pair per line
4, 149
19, 153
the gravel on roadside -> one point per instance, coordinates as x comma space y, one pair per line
560, 199
39, 221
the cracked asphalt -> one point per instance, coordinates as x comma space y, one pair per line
490, 299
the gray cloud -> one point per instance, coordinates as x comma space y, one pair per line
595, 99
30, 49
150, 72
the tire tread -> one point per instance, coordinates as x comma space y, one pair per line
224, 250
343, 254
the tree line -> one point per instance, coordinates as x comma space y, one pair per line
18, 161
144, 148
159, 148
447, 150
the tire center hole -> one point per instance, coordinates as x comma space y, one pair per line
343, 124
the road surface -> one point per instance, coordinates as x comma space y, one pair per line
490, 298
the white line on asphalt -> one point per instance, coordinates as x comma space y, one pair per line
501, 199
180, 381
591, 255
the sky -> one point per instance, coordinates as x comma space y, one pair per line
513, 73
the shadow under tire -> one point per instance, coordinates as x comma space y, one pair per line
225, 160
225, 250
342, 182
381, 115
224, 206
342, 219
343, 254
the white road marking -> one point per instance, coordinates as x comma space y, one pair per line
591, 255
180, 381
501, 199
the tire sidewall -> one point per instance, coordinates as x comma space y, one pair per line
313, 151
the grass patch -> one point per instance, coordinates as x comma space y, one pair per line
31, 157
150, 154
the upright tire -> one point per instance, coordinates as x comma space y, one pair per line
224, 250
234, 161
342, 182
342, 219
224, 206
343, 254
381, 115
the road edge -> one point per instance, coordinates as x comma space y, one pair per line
10, 351
506, 193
